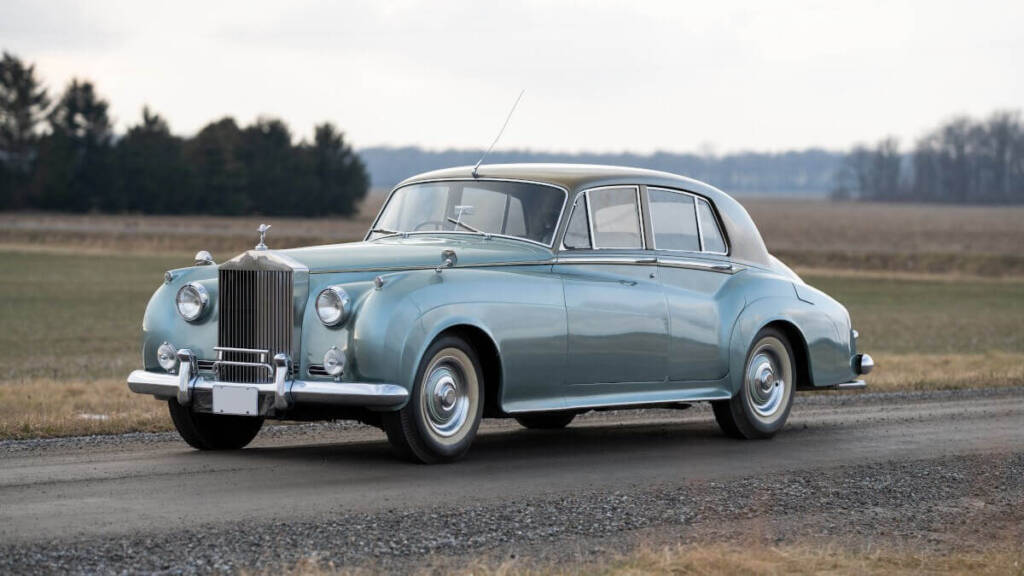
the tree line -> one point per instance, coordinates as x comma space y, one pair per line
806, 173
963, 161
62, 154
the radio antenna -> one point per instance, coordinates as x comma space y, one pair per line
500, 132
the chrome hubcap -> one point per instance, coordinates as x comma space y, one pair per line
766, 381
445, 397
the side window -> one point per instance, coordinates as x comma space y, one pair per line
709, 231
616, 218
577, 233
673, 220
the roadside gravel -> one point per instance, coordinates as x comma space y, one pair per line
943, 504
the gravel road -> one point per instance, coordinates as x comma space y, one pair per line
942, 470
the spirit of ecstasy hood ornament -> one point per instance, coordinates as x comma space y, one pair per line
263, 232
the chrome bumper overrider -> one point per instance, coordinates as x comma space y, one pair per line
287, 392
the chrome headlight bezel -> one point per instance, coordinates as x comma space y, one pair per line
201, 295
333, 298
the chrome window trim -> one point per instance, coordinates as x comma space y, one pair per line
669, 262
554, 235
590, 218
696, 214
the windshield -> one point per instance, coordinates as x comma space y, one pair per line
517, 209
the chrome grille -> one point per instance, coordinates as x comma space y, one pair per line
255, 312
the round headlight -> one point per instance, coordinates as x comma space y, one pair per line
333, 306
167, 356
191, 300
334, 361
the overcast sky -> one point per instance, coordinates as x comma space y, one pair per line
599, 76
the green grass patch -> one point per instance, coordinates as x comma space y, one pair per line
74, 316
919, 316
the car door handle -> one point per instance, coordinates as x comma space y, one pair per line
723, 267
627, 282
646, 260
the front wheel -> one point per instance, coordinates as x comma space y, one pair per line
212, 431
761, 406
440, 420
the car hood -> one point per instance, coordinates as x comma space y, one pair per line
415, 251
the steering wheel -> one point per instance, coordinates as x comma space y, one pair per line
438, 225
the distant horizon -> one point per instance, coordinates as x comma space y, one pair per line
647, 76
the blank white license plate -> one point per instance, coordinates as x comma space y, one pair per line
236, 400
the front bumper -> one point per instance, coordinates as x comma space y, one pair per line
286, 392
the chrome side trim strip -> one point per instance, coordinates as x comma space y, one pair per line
720, 267
851, 385
546, 262
620, 401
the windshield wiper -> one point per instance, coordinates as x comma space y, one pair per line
383, 231
467, 226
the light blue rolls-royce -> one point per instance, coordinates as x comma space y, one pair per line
529, 291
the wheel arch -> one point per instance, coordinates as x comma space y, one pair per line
483, 343
801, 355
781, 313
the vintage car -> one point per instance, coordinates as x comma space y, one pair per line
530, 291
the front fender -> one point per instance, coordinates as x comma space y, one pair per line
519, 309
162, 323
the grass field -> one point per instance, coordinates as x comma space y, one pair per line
937, 293
903, 238
71, 327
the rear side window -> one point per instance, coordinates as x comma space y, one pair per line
673, 220
709, 230
615, 215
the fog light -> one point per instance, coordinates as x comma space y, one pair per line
334, 361
167, 357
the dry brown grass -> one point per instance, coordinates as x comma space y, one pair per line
727, 559
44, 407
930, 239
946, 371
933, 239
224, 236
790, 225
73, 290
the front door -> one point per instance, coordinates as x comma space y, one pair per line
616, 311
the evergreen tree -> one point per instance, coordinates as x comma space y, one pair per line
23, 104
73, 172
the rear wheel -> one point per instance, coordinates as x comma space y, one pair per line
212, 431
440, 421
761, 406
546, 420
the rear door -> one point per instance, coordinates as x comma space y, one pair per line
694, 268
